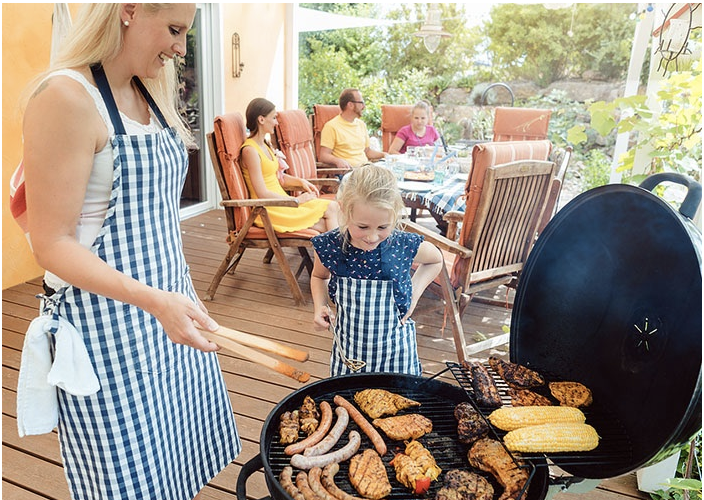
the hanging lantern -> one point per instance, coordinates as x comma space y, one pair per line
431, 32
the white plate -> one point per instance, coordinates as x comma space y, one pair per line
414, 186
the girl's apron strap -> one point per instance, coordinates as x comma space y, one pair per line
104, 87
151, 102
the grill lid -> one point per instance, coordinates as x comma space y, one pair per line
611, 297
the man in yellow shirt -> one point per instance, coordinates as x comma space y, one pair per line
344, 140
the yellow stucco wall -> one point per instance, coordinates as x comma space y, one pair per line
26, 45
261, 30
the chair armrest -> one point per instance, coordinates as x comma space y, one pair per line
328, 181
436, 239
262, 202
452, 218
329, 169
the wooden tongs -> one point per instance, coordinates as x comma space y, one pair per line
237, 342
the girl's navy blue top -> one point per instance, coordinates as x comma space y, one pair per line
391, 260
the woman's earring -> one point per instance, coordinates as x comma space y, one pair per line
126, 23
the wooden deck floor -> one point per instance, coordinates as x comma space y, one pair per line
257, 301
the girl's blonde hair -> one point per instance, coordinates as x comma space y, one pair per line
371, 185
96, 37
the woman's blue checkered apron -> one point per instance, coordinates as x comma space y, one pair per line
368, 334
161, 426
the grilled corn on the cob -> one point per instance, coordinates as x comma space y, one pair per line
552, 438
514, 417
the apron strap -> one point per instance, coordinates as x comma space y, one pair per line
104, 87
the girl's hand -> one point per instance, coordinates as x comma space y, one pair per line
180, 316
322, 319
414, 303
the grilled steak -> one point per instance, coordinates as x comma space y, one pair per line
308, 416
571, 393
515, 375
288, 427
368, 475
470, 424
526, 397
404, 427
490, 456
378, 402
464, 485
485, 391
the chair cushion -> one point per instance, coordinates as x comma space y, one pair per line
485, 155
295, 138
521, 124
322, 113
230, 133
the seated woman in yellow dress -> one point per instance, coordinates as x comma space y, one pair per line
260, 168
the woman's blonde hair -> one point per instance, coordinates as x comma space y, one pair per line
96, 37
372, 185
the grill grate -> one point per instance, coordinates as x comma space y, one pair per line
442, 442
614, 448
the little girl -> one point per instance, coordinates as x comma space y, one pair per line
365, 267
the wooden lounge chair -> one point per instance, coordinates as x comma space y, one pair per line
241, 211
495, 240
294, 138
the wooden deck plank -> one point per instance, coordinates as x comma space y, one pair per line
255, 300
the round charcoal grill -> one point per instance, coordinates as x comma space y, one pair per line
611, 297
438, 400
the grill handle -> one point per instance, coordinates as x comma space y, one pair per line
247, 470
691, 201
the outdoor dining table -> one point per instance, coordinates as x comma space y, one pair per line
437, 198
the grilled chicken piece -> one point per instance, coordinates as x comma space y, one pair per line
490, 456
485, 391
424, 459
515, 375
404, 427
470, 424
416, 468
571, 393
526, 397
368, 475
465, 485
308, 416
288, 427
378, 402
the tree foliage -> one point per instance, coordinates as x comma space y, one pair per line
527, 41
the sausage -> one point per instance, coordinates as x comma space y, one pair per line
316, 486
304, 486
301, 462
317, 435
286, 480
363, 424
328, 482
343, 418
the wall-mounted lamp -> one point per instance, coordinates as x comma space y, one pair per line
431, 32
237, 64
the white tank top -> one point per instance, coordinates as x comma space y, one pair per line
95, 204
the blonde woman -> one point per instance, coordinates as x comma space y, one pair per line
417, 133
364, 267
105, 159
